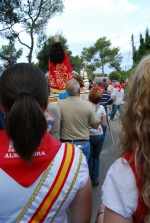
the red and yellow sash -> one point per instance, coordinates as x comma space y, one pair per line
53, 188
56, 187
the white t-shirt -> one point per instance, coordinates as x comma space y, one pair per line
110, 89
119, 191
119, 96
100, 112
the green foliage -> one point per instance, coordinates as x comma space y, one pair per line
32, 16
101, 53
9, 14
90, 73
43, 55
9, 54
144, 47
126, 74
114, 75
76, 63
116, 62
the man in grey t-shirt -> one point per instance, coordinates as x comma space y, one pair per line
76, 117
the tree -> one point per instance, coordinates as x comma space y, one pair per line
90, 73
33, 17
76, 63
116, 63
126, 74
87, 55
101, 53
9, 15
43, 54
144, 47
147, 40
10, 54
114, 75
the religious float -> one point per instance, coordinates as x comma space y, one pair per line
82, 78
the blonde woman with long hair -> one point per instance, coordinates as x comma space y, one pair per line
126, 189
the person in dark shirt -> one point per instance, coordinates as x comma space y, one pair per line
106, 99
90, 84
105, 84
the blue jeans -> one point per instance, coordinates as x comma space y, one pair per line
104, 130
114, 109
85, 147
96, 143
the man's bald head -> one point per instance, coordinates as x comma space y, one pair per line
72, 87
117, 83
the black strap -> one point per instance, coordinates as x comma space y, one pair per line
98, 215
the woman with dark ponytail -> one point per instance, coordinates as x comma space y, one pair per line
40, 176
23, 105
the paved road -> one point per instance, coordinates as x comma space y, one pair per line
106, 159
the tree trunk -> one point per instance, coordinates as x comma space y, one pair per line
103, 70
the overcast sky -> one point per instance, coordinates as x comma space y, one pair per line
85, 21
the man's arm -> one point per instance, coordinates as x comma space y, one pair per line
95, 126
110, 99
113, 97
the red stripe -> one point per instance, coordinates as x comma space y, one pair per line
71, 161
56, 178
58, 173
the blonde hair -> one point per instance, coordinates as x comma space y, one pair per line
135, 134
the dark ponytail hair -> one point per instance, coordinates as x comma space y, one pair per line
23, 94
57, 54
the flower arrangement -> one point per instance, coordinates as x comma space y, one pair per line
79, 79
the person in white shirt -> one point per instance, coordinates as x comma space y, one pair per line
118, 95
110, 90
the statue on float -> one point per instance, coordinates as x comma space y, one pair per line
60, 70
83, 73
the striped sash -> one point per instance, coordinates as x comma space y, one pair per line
51, 185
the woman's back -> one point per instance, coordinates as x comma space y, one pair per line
40, 176
18, 186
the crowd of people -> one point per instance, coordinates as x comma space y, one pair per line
50, 153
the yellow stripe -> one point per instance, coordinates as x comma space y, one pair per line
36, 191
70, 187
57, 186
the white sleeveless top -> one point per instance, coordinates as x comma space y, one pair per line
13, 196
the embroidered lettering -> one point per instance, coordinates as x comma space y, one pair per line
39, 153
11, 147
11, 155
